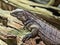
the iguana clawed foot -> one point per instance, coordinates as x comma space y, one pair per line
27, 37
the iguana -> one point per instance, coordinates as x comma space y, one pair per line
49, 34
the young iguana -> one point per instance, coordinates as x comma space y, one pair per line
49, 34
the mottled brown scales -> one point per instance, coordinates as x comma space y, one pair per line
49, 34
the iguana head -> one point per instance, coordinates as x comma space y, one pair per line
19, 14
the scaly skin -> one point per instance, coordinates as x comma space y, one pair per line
48, 33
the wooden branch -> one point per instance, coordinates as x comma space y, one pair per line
7, 20
32, 41
41, 10
9, 39
6, 6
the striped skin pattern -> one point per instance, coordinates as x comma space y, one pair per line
48, 33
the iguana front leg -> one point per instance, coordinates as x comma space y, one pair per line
33, 34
